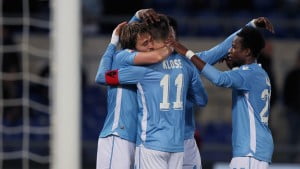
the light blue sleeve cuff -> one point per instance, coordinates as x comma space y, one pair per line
251, 23
135, 18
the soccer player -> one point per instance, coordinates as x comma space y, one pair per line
162, 91
116, 144
251, 136
192, 158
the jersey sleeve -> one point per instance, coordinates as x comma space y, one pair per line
125, 57
126, 75
213, 55
235, 79
135, 19
105, 64
196, 91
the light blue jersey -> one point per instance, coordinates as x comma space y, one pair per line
251, 94
162, 92
211, 57
122, 106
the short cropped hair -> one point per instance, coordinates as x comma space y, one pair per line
130, 32
252, 39
160, 30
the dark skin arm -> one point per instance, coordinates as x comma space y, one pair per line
179, 48
261, 22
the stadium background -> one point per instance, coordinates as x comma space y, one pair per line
201, 25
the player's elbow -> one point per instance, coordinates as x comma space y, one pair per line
100, 80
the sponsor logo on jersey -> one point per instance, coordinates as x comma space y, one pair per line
129, 50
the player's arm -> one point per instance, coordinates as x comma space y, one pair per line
218, 52
106, 60
196, 91
236, 79
126, 75
151, 57
229, 79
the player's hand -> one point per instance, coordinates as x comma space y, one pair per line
169, 44
148, 15
116, 33
264, 22
117, 30
178, 47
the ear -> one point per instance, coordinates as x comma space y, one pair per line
248, 52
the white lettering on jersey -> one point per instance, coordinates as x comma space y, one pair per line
172, 64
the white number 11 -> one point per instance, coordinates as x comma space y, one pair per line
165, 105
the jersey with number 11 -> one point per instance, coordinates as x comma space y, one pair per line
162, 91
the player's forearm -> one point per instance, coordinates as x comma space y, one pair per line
145, 58
160, 54
218, 52
198, 62
217, 77
105, 64
200, 97
182, 50
135, 18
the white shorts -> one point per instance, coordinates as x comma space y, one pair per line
115, 153
153, 159
247, 163
192, 158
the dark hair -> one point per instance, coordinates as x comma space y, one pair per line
252, 39
130, 32
173, 23
160, 30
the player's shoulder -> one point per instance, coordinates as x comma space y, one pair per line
129, 50
126, 51
250, 71
245, 68
122, 54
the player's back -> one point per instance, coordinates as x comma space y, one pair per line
162, 92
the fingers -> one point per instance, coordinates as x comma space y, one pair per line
264, 23
179, 48
149, 16
119, 27
269, 25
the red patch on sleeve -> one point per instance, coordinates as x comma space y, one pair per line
112, 77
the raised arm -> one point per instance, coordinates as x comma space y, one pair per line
229, 79
220, 51
106, 60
